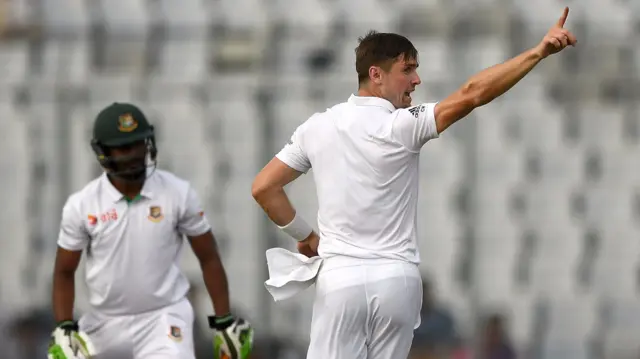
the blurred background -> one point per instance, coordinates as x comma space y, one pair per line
529, 209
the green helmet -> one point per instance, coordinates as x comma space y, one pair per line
123, 125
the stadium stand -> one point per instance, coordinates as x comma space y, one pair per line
531, 206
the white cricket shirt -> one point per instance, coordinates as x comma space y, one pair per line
133, 248
365, 156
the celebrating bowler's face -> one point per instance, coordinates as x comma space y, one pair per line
400, 81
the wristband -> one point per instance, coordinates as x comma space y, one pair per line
220, 323
68, 325
298, 229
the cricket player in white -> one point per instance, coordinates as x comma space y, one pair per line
364, 153
130, 224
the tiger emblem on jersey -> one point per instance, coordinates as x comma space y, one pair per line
155, 214
175, 333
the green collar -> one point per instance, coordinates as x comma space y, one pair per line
134, 199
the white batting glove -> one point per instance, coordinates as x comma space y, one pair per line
67, 342
233, 337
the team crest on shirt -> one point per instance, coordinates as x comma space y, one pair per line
93, 220
155, 214
175, 333
126, 123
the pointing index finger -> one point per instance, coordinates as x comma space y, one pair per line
563, 18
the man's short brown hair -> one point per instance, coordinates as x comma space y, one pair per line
381, 49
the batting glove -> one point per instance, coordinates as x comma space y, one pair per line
67, 342
233, 337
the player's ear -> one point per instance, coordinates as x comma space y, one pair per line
375, 75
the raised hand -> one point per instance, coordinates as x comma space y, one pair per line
557, 38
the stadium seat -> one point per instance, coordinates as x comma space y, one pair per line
610, 204
521, 318
623, 323
617, 168
244, 231
539, 124
184, 17
550, 204
435, 59
128, 17
14, 60
635, 59
505, 166
602, 126
184, 60
241, 87
346, 58
296, 88
539, 16
243, 15
568, 350
560, 169
615, 272
340, 87
532, 89
492, 123
441, 162
571, 322
15, 180
609, 19
288, 115
361, 16
303, 193
497, 241
482, 53
238, 136
296, 50
440, 247
620, 344
625, 314
16, 13
66, 17
316, 21
496, 204
82, 161
66, 62
107, 89
557, 255
182, 137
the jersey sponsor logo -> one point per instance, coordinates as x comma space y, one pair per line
415, 111
110, 215
175, 333
155, 214
126, 123
93, 220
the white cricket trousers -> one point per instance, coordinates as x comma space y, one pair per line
166, 333
365, 310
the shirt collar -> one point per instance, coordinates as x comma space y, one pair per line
371, 101
116, 196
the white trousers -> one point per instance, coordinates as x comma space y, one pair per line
165, 333
365, 311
